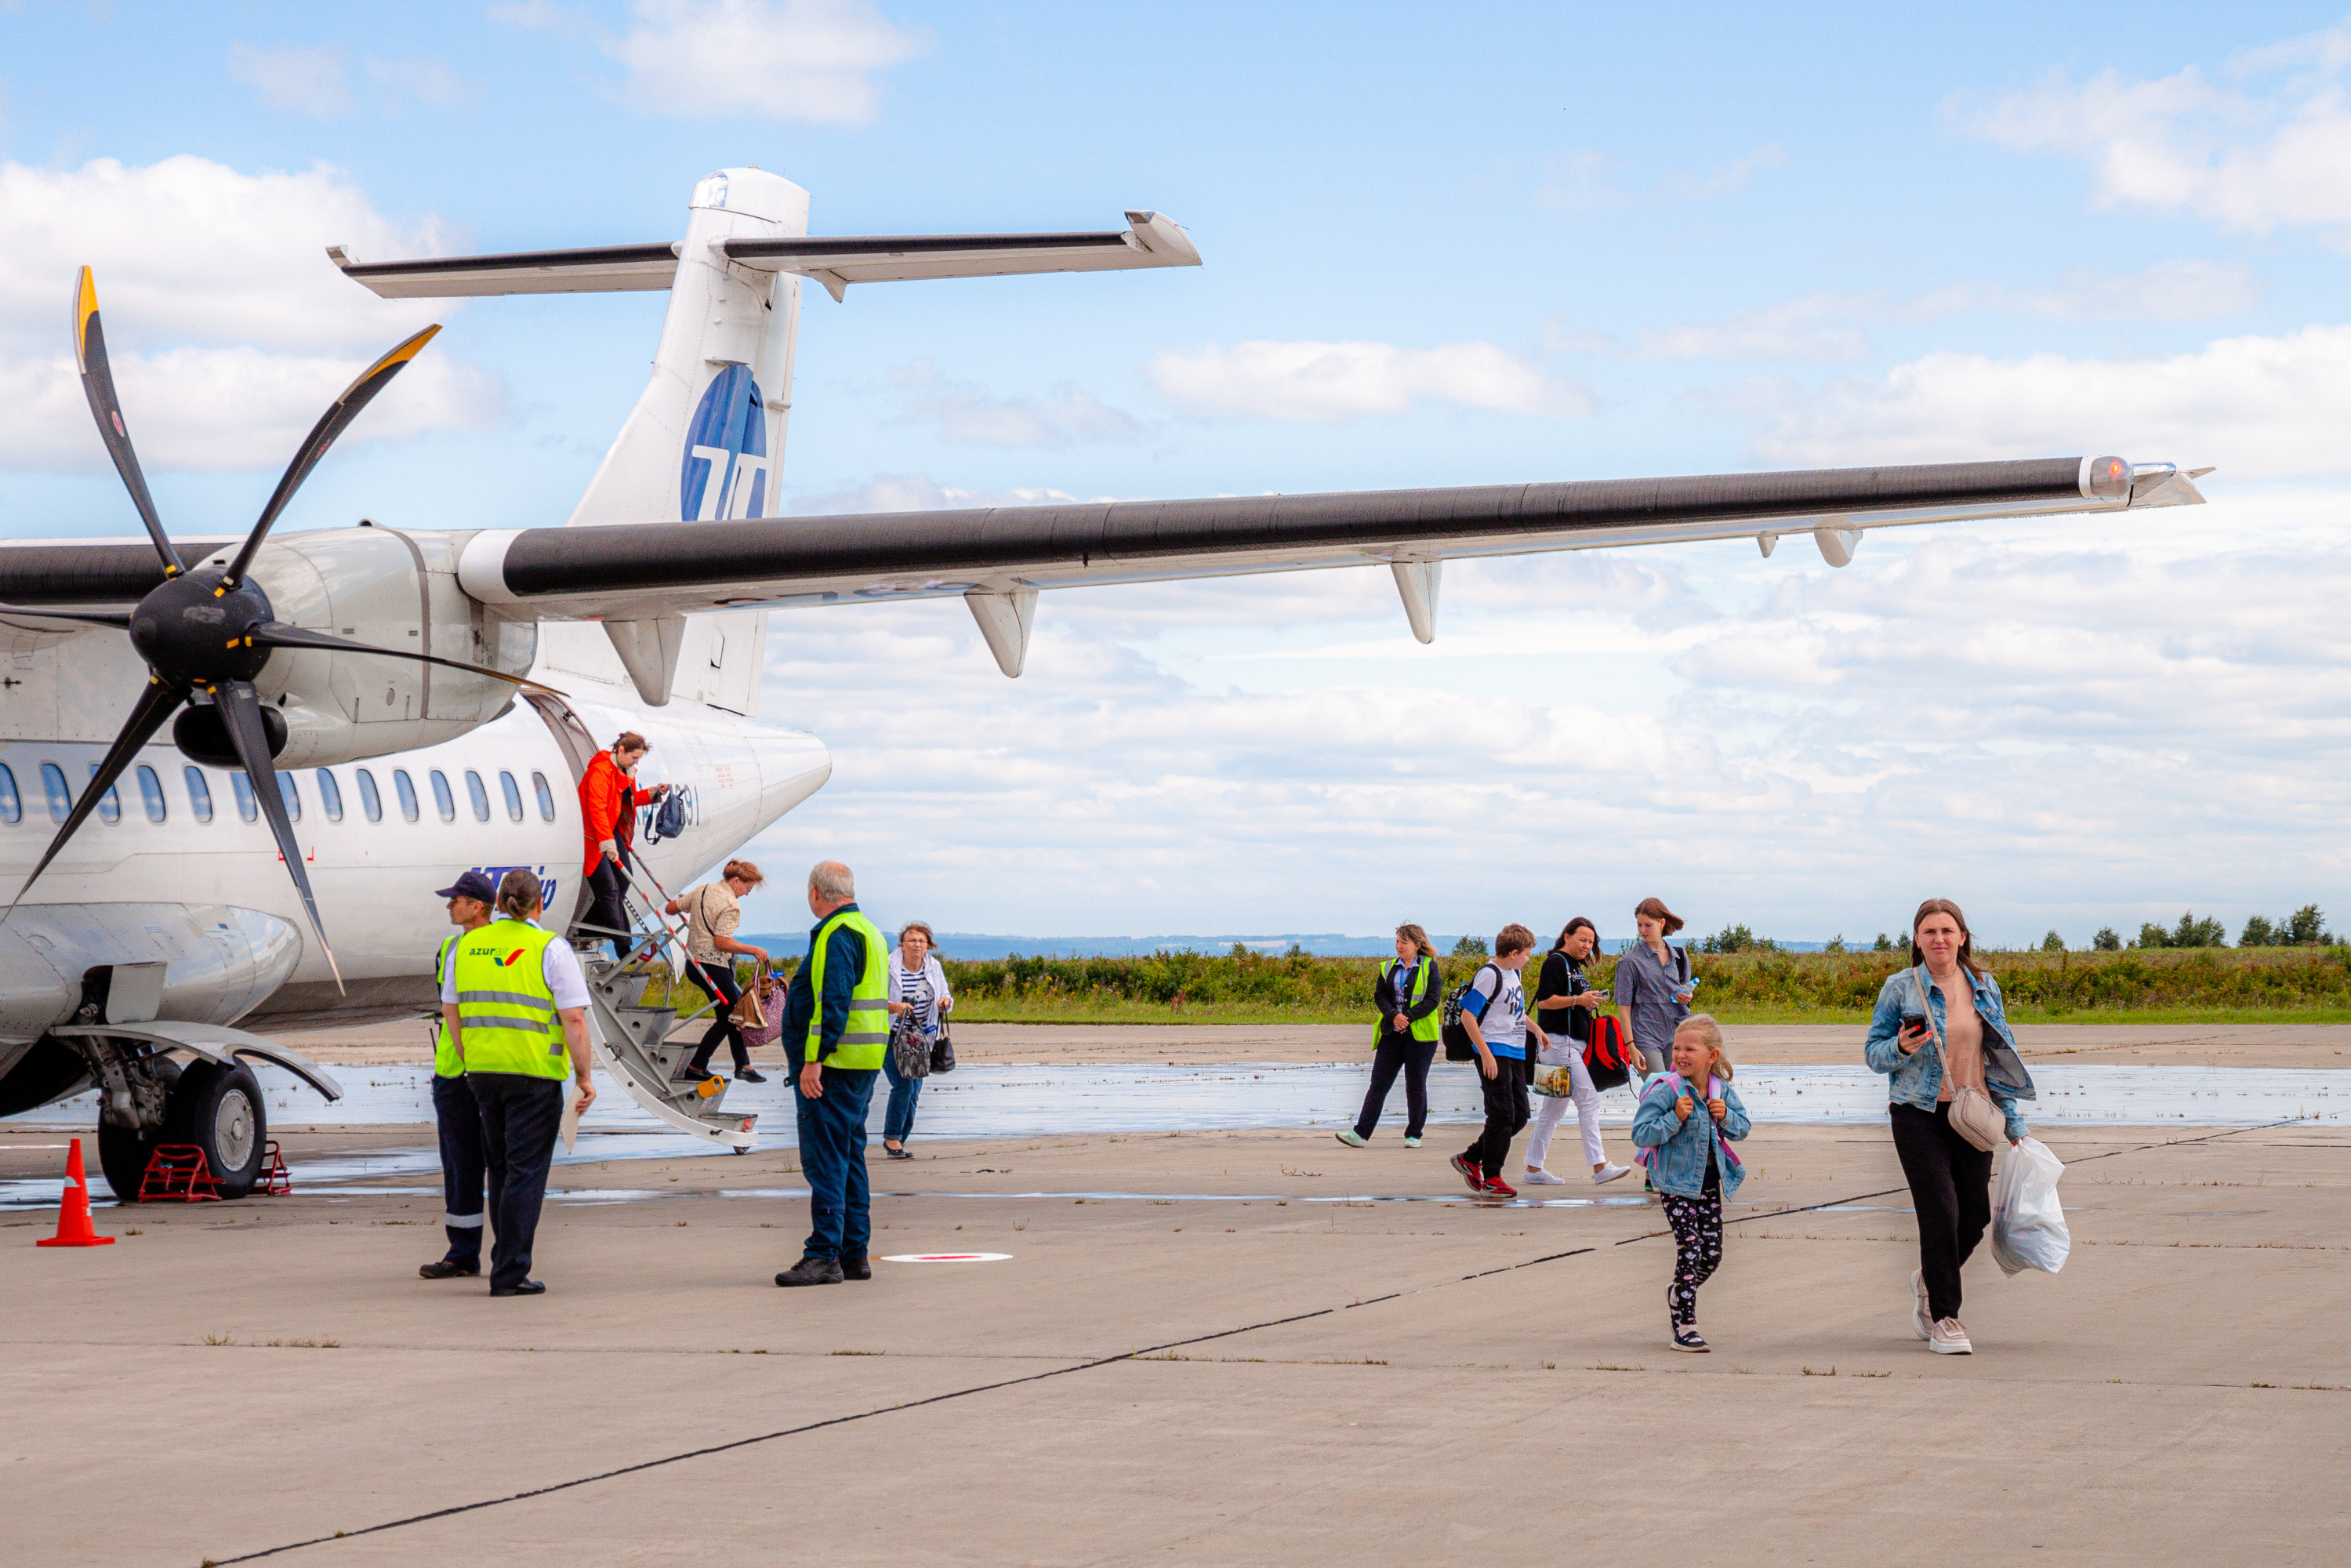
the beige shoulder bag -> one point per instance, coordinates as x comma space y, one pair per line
1974, 1113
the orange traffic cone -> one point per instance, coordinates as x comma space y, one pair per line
74, 1229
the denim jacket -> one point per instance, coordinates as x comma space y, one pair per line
1678, 1164
1917, 1078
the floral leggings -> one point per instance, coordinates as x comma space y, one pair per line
1697, 1236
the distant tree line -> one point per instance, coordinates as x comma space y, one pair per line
2305, 927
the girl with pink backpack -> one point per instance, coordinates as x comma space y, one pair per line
1687, 1120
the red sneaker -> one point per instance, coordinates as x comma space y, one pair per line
1496, 1187
1470, 1172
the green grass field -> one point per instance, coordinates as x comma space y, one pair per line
2266, 984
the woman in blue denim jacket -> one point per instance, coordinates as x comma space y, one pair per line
1685, 1127
1965, 1031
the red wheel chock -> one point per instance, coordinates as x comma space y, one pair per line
181, 1171
275, 1181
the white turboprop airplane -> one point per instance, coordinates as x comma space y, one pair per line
504, 658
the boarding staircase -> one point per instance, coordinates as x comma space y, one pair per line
632, 1036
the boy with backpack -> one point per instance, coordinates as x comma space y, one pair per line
1494, 1019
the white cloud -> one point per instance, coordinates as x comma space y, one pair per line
1587, 181
921, 492
2254, 159
1817, 327
1328, 382
2266, 406
308, 79
809, 60
965, 412
227, 327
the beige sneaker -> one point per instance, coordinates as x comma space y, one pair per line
1945, 1337
1919, 1322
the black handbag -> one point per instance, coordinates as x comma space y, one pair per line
942, 1052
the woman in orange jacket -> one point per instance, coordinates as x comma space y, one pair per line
608, 819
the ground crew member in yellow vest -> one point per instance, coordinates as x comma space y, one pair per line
516, 1007
1408, 992
837, 1023
453, 1103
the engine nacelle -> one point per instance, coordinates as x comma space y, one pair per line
392, 589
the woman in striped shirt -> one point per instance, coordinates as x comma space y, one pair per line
919, 1001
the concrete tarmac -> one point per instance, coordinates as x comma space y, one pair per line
1185, 1045
1218, 1369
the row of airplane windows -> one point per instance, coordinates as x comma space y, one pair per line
331, 795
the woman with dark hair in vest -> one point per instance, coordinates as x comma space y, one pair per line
1408, 993
1939, 1030
1652, 986
1565, 1003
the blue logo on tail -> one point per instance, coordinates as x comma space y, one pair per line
726, 469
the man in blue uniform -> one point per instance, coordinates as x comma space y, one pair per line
452, 1102
837, 1024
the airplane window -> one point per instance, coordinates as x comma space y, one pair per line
407, 792
546, 796
369, 801
151, 793
331, 796
444, 802
110, 805
476, 793
247, 806
12, 805
513, 794
53, 785
200, 794
292, 797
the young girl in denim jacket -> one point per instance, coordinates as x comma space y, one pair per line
1685, 1127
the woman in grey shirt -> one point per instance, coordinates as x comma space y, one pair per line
1652, 985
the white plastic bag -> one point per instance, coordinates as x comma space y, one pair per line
2027, 1227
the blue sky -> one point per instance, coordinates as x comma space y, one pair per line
1540, 244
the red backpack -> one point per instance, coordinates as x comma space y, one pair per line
1607, 1055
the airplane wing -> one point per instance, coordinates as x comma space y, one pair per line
1150, 239
998, 558
638, 571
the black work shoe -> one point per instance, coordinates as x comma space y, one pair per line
441, 1268
528, 1288
750, 1075
856, 1269
688, 1073
812, 1271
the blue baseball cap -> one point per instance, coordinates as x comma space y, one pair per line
475, 884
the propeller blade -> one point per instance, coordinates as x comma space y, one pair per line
240, 708
332, 424
278, 635
118, 619
97, 385
156, 705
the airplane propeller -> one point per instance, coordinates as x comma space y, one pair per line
206, 633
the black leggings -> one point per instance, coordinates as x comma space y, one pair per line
1399, 1053
718, 979
1697, 1247
1951, 1188
605, 910
1506, 1114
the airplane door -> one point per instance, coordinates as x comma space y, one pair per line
577, 747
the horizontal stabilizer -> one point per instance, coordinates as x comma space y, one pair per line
1151, 239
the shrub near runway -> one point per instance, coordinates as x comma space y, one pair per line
2273, 985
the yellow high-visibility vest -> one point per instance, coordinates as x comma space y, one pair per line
867, 1033
504, 1002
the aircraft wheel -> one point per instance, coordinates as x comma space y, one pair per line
122, 1152
219, 1109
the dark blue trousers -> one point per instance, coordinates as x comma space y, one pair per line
520, 1116
898, 1119
833, 1157
461, 1170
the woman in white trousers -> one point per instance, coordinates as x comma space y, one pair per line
1561, 992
